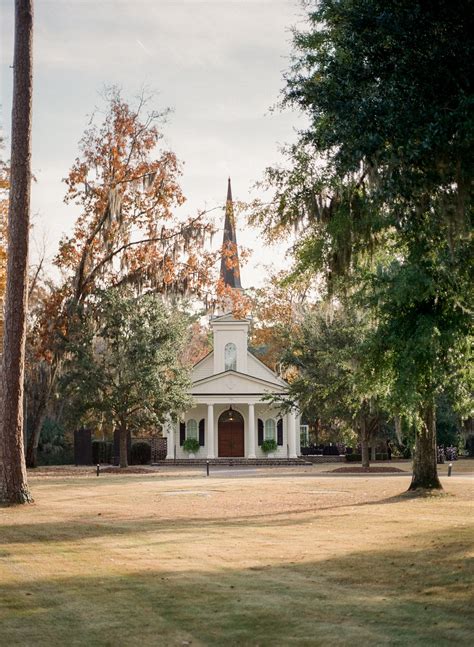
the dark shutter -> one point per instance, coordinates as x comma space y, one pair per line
202, 425
280, 432
260, 431
182, 433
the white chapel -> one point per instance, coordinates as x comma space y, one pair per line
230, 417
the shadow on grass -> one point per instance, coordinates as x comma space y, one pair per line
92, 526
390, 597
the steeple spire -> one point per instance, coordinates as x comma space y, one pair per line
230, 267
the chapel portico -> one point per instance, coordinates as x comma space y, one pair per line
254, 414
230, 416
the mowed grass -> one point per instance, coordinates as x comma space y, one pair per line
272, 557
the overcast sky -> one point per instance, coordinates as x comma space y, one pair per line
217, 64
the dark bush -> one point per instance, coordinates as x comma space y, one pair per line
381, 457
330, 450
349, 450
55, 456
141, 453
353, 458
312, 450
470, 446
102, 451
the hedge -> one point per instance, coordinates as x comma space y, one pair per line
141, 453
357, 458
102, 451
353, 458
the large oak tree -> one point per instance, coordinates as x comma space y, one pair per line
126, 190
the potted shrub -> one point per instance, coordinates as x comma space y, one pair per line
269, 446
191, 445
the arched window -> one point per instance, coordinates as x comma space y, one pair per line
230, 356
192, 429
269, 429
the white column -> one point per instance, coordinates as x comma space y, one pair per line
292, 434
210, 431
169, 427
251, 434
298, 436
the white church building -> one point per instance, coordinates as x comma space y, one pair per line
230, 417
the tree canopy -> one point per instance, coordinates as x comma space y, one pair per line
380, 184
123, 363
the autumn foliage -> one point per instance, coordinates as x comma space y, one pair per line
277, 311
127, 191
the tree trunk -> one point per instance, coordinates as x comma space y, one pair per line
13, 483
425, 469
316, 431
364, 442
33, 440
123, 446
46, 381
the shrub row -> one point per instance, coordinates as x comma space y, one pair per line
357, 458
325, 450
56, 456
102, 451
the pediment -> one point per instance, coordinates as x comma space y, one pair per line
229, 317
234, 382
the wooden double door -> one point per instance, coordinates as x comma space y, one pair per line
230, 434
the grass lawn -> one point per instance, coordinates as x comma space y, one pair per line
265, 557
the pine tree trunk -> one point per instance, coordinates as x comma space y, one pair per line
123, 446
13, 483
425, 468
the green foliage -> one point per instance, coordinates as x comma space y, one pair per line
330, 384
325, 354
102, 451
55, 447
381, 186
269, 445
353, 458
191, 445
140, 453
123, 361
447, 422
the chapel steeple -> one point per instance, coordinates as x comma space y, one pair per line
230, 267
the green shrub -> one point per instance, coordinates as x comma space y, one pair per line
56, 455
354, 458
381, 457
269, 446
102, 451
191, 445
140, 453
